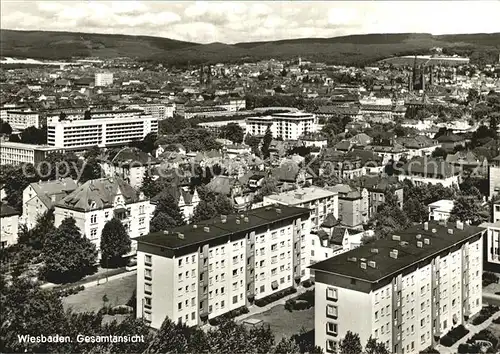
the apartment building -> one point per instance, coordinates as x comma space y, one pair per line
377, 187
441, 210
158, 110
434, 171
320, 201
102, 132
196, 272
20, 153
491, 255
9, 225
97, 201
408, 291
494, 176
103, 79
353, 205
20, 120
40, 197
288, 126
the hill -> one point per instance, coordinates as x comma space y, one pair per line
354, 49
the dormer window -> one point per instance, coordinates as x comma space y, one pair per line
93, 205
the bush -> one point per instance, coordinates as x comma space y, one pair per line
429, 350
467, 348
497, 320
69, 291
302, 302
274, 297
117, 310
453, 336
231, 314
307, 283
489, 278
484, 335
484, 314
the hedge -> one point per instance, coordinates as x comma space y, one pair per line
302, 302
69, 291
453, 336
274, 297
467, 348
307, 283
485, 335
489, 278
118, 310
484, 314
429, 350
231, 314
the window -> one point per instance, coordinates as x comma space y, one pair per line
148, 259
93, 234
331, 328
180, 277
235, 299
180, 262
147, 274
331, 311
262, 288
222, 290
331, 346
147, 288
179, 306
376, 315
331, 294
147, 302
93, 218
235, 285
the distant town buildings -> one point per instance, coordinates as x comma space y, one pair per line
19, 153
9, 221
103, 79
288, 126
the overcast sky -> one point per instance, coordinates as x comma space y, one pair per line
231, 22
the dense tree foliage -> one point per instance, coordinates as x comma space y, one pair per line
67, 254
389, 216
268, 137
115, 242
351, 344
167, 213
233, 132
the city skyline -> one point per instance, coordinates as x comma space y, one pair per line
233, 22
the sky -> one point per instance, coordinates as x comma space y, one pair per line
245, 21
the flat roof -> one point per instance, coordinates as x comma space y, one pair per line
303, 195
11, 144
293, 115
196, 234
408, 253
445, 204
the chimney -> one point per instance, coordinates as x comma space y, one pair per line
180, 236
426, 226
372, 264
362, 265
418, 236
393, 254
245, 219
434, 231
460, 225
403, 243
445, 223
238, 221
352, 259
165, 232
396, 238
427, 241
223, 218
374, 250
278, 210
195, 226
420, 244
450, 231
206, 229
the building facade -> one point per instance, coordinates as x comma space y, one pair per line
492, 246
103, 79
9, 225
197, 272
19, 120
288, 126
440, 210
96, 202
408, 291
99, 131
20, 153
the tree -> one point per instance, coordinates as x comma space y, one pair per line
268, 137
204, 211
233, 132
168, 205
32, 135
92, 153
171, 338
374, 347
87, 115
36, 237
472, 96
149, 187
162, 221
468, 209
269, 186
351, 344
439, 152
286, 346
67, 254
115, 242
253, 142
91, 169
415, 210
223, 205
27, 309
5, 128
389, 216
14, 138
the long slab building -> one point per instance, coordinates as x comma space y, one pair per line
200, 271
406, 291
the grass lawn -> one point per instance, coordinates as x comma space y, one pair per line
118, 292
284, 324
495, 329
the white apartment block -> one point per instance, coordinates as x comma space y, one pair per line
20, 153
320, 201
20, 120
99, 131
289, 126
441, 209
492, 246
197, 272
158, 110
103, 79
407, 291
96, 202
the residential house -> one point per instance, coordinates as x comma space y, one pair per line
187, 199
491, 246
377, 188
426, 170
353, 205
96, 202
467, 161
231, 188
9, 225
40, 197
441, 210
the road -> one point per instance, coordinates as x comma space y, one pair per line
491, 299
